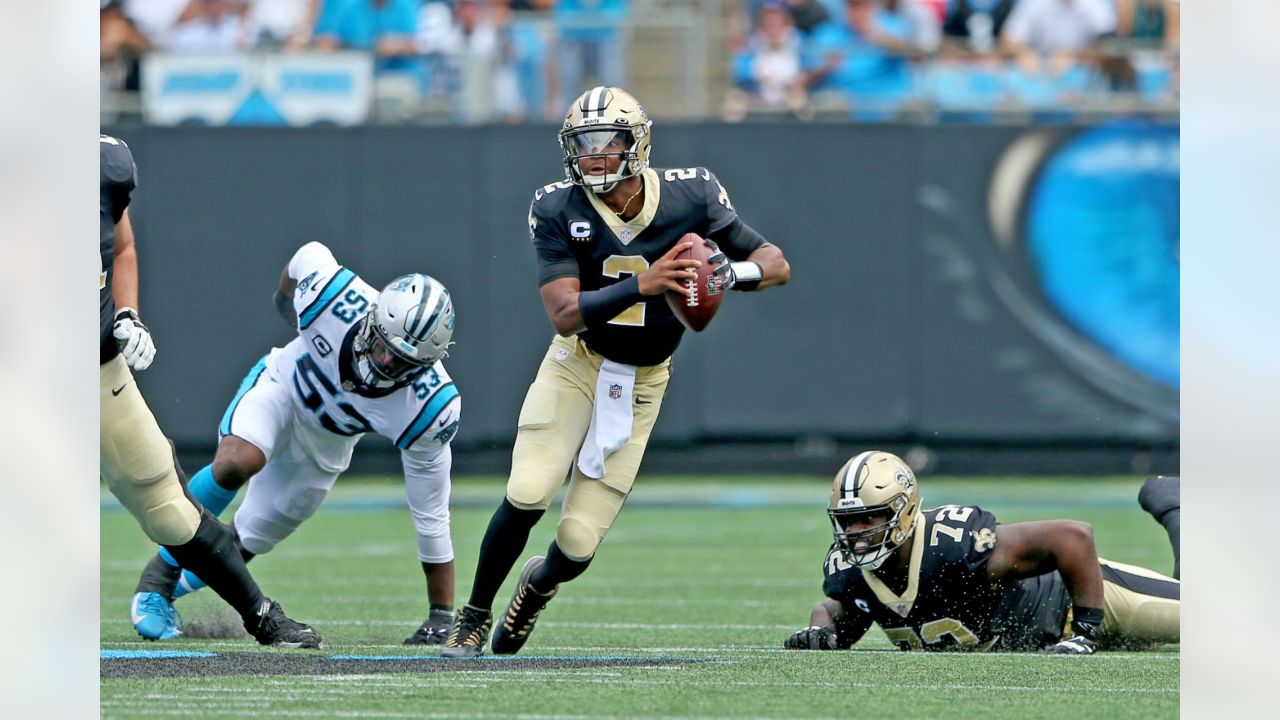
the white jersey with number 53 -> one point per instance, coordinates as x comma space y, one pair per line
329, 301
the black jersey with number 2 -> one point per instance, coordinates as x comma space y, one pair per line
576, 235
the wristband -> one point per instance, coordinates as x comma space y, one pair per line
600, 306
1086, 621
747, 275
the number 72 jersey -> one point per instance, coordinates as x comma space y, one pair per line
949, 602
318, 367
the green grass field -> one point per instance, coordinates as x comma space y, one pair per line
715, 571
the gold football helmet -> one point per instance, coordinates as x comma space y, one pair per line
875, 503
605, 122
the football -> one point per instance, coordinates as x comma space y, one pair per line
695, 311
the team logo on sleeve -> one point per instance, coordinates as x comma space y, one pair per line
305, 283
446, 434
984, 540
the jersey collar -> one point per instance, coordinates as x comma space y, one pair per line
626, 231
901, 604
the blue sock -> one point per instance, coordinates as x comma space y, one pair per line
214, 497
209, 492
187, 584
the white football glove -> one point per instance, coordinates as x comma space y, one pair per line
743, 275
134, 339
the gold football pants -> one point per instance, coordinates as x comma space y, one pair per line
553, 424
1142, 607
136, 460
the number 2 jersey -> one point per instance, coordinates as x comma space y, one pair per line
576, 235
949, 602
317, 365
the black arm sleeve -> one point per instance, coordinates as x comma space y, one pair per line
738, 239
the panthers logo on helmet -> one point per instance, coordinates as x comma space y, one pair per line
605, 122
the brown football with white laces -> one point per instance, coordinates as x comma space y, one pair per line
696, 309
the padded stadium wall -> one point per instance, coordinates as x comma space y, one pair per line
989, 299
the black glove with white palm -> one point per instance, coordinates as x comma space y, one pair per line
1086, 628
814, 637
744, 276
133, 338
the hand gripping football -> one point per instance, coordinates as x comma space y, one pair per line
696, 310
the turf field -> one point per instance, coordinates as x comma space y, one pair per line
682, 614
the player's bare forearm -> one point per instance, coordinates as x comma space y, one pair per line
124, 266
824, 614
1034, 548
560, 298
774, 268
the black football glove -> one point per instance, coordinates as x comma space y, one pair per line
745, 275
815, 637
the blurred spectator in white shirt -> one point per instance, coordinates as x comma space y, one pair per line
767, 71
286, 24
472, 48
925, 33
155, 18
1056, 27
211, 27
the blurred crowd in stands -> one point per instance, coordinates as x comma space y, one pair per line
520, 60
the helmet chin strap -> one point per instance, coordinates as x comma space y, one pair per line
604, 184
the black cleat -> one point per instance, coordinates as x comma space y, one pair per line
470, 632
272, 627
517, 622
159, 577
434, 631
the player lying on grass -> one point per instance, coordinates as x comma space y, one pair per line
951, 578
362, 362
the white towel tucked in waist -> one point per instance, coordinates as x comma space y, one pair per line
610, 426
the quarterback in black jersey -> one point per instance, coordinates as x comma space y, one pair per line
136, 460
606, 239
950, 578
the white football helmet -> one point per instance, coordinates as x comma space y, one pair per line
408, 329
605, 122
875, 485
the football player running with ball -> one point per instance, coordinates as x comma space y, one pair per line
135, 458
363, 361
951, 578
606, 238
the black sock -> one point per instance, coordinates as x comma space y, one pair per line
559, 568
1162, 497
503, 542
1172, 522
213, 556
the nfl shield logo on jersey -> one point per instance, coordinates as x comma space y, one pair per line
615, 391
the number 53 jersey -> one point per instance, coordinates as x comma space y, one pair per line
317, 373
